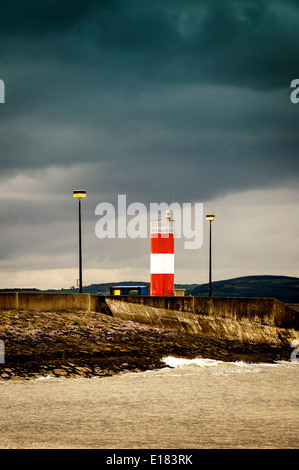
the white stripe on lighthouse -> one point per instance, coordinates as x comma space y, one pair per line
162, 263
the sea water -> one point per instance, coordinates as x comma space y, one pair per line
190, 404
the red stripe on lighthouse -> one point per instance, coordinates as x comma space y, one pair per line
162, 284
162, 243
162, 260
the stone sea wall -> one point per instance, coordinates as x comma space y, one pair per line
261, 321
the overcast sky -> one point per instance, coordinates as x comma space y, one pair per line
161, 101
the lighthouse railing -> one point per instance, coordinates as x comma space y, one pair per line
162, 226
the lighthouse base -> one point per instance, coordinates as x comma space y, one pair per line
162, 284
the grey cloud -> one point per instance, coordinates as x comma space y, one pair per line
197, 142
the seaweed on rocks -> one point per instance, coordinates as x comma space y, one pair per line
75, 344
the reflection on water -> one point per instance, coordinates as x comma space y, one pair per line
190, 404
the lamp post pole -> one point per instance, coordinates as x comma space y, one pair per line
80, 250
79, 195
210, 218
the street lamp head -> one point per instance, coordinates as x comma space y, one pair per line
79, 194
210, 217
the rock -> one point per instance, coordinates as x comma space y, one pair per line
5, 375
80, 373
60, 372
80, 369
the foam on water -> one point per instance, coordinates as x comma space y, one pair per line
45, 377
180, 362
202, 362
221, 367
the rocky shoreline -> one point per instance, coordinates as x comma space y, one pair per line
79, 344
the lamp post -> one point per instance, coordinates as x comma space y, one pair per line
210, 218
79, 194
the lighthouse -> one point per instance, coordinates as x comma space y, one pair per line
162, 256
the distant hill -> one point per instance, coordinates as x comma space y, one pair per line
283, 288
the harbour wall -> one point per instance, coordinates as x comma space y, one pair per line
258, 320
253, 320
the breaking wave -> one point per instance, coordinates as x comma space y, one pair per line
221, 367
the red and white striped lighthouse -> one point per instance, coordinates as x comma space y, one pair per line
162, 256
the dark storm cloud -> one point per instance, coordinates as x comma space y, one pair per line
154, 93
248, 43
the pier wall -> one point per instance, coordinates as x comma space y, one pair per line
266, 311
265, 321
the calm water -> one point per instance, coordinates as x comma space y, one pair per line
198, 404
